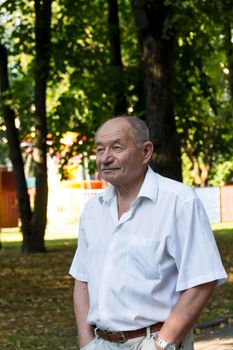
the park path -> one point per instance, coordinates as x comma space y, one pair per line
217, 339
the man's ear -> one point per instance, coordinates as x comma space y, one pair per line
147, 151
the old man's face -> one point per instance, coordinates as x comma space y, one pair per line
119, 160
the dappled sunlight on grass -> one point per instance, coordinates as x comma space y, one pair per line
8, 236
16, 236
221, 303
222, 225
36, 298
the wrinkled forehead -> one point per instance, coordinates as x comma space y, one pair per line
113, 129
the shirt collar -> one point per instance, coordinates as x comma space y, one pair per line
107, 195
149, 189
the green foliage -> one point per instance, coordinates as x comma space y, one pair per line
222, 173
81, 86
187, 170
202, 94
81, 82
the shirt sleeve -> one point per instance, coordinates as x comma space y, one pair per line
78, 267
196, 252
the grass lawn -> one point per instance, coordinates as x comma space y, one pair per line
221, 303
36, 298
36, 293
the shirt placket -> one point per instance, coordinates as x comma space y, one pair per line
107, 270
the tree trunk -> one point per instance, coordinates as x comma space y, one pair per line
120, 105
42, 31
200, 173
25, 212
201, 168
157, 48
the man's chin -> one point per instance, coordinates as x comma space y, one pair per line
109, 177
109, 172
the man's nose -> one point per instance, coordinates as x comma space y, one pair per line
107, 156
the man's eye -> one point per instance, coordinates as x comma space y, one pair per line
99, 150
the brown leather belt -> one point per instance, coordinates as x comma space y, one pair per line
121, 337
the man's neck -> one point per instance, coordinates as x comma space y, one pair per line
124, 203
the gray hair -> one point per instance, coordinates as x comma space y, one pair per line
138, 129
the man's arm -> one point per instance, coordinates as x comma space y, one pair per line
185, 313
81, 308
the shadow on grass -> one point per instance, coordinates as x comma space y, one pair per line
36, 294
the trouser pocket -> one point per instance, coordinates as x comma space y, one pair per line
89, 346
147, 344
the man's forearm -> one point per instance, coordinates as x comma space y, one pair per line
81, 308
186, 312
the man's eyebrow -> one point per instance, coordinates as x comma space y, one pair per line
117, 141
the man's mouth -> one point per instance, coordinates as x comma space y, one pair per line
108, 169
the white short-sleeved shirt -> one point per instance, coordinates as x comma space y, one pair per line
136, 266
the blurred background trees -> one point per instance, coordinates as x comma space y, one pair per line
168, 62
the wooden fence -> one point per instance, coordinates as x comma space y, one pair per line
8, 209
8, 201
65, 204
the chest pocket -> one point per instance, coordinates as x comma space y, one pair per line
144, 258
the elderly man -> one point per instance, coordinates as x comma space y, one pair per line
146, 261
